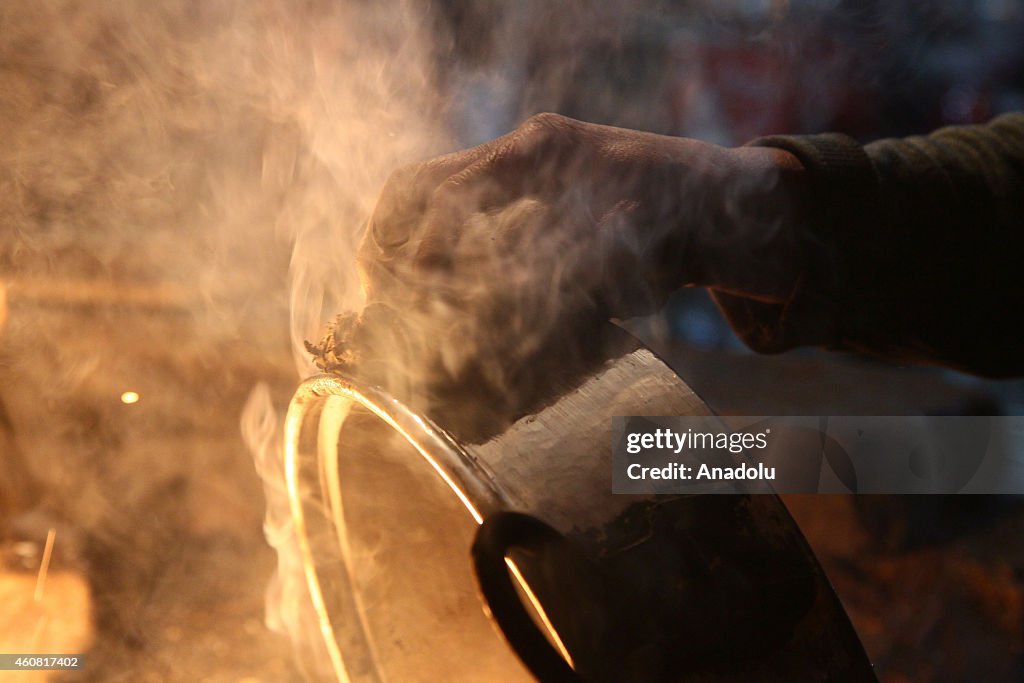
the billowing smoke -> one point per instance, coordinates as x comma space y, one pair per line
196, 144
211, 162
289, 608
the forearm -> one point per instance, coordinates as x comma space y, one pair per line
915, 250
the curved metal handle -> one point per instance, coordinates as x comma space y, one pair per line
498, 534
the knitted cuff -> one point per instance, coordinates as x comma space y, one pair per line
843, 187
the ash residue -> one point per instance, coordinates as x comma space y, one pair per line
334, 352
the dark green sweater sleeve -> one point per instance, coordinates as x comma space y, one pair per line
915, 250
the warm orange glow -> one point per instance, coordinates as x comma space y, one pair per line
44, 565
338, 396
535, 603
292, 426
129, 397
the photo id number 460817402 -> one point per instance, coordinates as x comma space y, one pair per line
41, 662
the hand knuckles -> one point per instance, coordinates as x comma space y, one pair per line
446, 194
465, 190
399, 206
547, 123
400, 179
547, 136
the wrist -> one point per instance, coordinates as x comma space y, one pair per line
748, 238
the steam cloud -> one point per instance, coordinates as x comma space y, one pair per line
195, 143
221, 158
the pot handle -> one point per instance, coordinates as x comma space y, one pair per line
500, 533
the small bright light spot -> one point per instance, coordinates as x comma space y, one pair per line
129, 397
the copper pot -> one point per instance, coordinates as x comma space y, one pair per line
430, 559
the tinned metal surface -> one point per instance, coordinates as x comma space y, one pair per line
656, 588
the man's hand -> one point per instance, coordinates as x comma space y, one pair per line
504, 262
640, 214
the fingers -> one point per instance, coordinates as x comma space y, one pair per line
540, 159
472, 191
425, 211
398, 217
409, 191
405, 197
